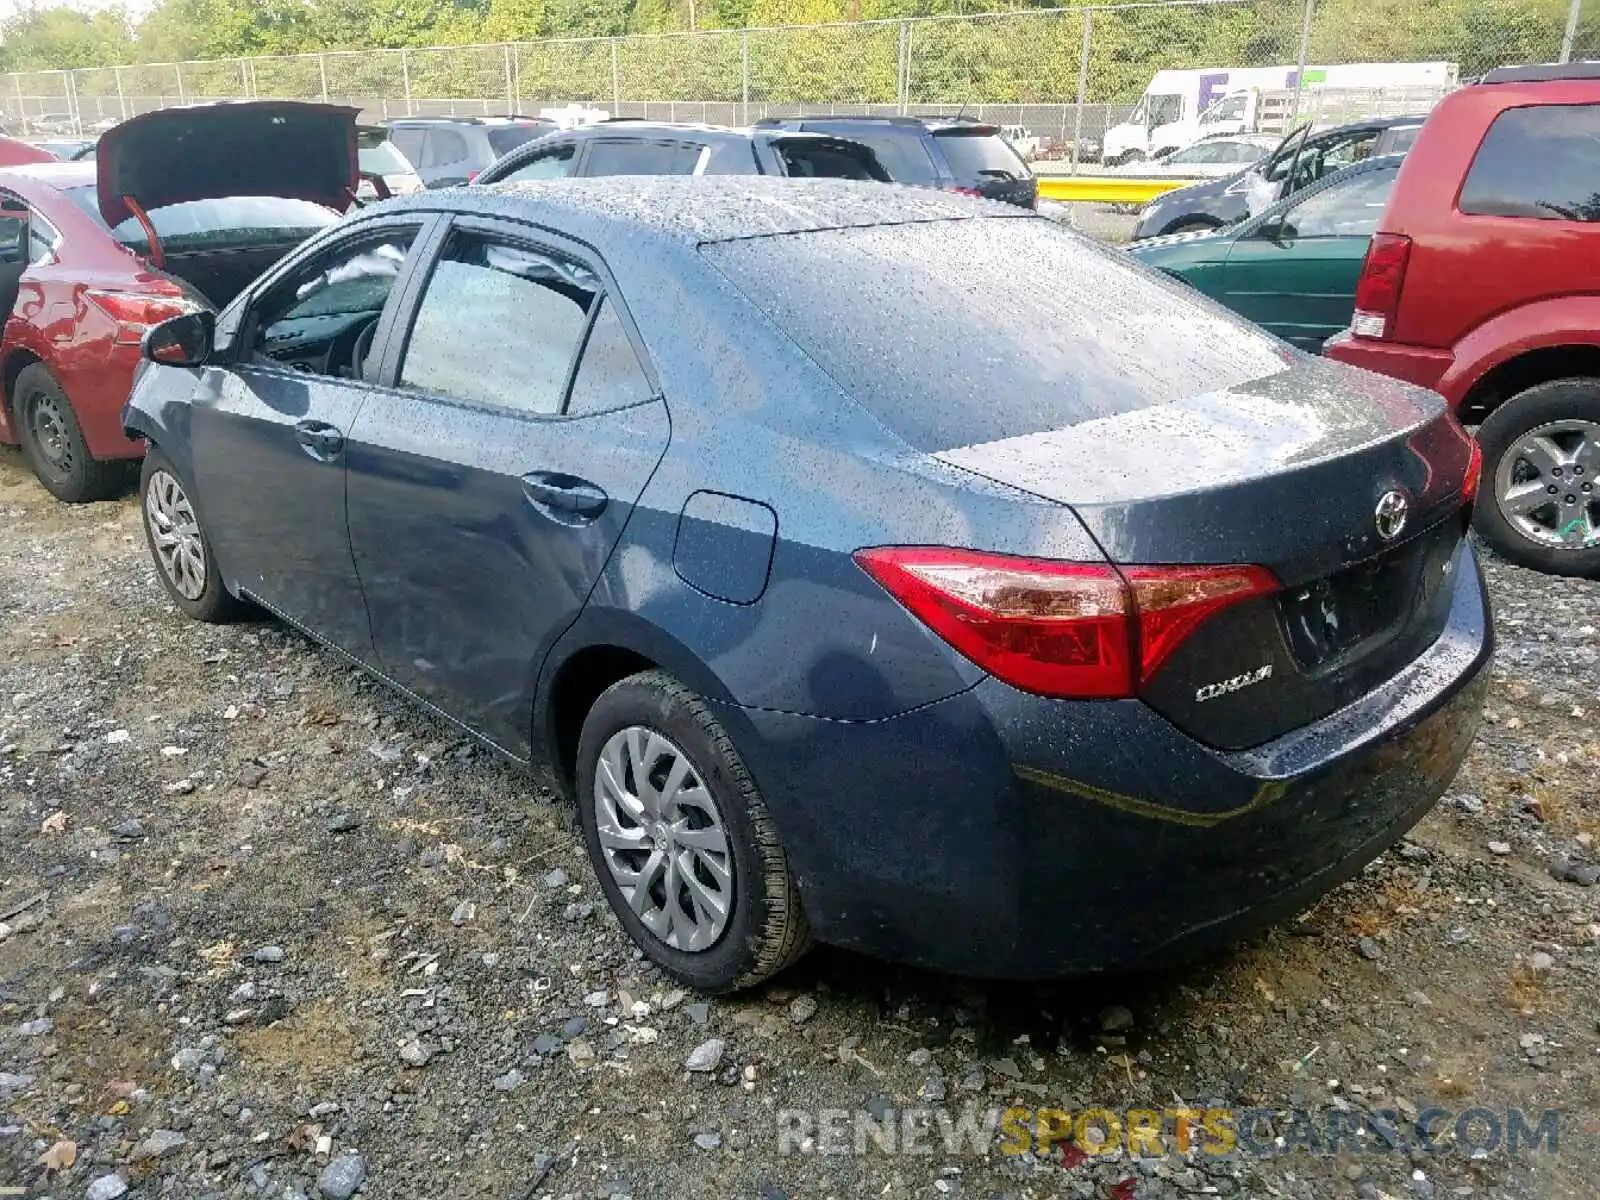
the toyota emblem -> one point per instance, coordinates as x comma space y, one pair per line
1390, 515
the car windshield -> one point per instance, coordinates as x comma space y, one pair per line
232, 222
383, 159
505, 138
961, 332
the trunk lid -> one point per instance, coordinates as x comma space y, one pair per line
300, 151
1288, 472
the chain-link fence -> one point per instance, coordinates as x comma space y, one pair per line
1063, 74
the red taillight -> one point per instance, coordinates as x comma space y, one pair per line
1469, 483
472, 176
1081, 630
966, 191
135, 312
1378, 289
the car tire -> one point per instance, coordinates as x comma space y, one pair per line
178, 545
52, 441
1516, 440
666, 769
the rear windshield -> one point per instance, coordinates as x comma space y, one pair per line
980, 155
954, 333
231, 222
505, 138
384, 159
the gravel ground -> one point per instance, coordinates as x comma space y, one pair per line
265, 931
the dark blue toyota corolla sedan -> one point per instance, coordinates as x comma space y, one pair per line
875, 566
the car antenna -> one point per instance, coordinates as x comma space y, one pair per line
961, 112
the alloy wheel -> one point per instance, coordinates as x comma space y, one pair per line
1545, 484
175, 534
663, 839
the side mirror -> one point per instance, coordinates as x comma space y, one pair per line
182, 341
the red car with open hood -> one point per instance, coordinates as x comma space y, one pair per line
181, 209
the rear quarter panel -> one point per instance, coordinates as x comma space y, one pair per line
753, 418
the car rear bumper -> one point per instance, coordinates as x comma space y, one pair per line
1420, 365
1004, 835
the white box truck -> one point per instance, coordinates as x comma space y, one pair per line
1179, 108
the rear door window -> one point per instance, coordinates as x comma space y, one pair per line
979, 156
804, 160
13, 232
445, 148
505, 138
904, 156
493, 301
636, 156
552, 164
1541, 162
409, 142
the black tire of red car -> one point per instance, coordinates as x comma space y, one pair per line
212, 602
766, 929
1559, 400
53, 444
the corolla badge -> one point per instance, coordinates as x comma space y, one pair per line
1238, 683
1391, 514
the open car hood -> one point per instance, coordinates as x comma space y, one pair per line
232, 148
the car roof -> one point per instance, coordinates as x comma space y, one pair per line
639, 127
1543, 73
56, 174
693, 210
933, 124
628, 126
485, 122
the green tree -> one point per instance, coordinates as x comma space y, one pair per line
57, 38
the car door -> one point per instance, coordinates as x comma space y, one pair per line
269, 426
490, 480
1294, 271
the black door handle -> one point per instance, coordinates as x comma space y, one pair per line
321, 440
564, 495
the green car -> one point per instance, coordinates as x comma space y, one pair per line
1291, 268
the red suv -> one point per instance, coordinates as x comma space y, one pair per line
1483, 283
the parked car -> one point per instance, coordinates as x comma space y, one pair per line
182, 209
629, 147
381, 160
848, 655
14, 153
1292, 269
1305, 154
952, 154
1479, 283
448, 151
67, 149
1215, 157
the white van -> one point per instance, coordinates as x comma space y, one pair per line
1179, 108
